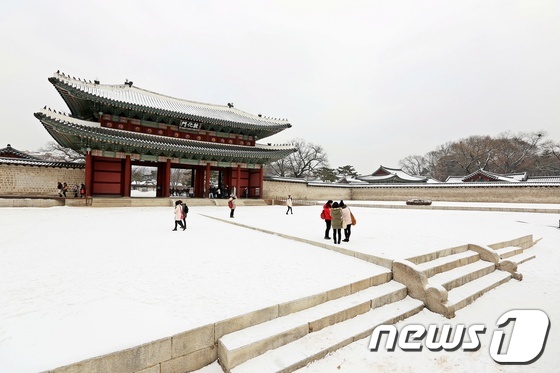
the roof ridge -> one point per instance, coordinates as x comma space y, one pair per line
129, 86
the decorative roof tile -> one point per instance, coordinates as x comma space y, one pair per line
71, 132
388, 175
9, 152
39, 162
131, 97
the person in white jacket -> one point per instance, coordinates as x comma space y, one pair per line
289, 204
346, 221
178, 213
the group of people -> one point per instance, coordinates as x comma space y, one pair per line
338, 217
62, 189
217, 192
180, 213
181, 210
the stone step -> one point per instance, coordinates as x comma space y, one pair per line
448, 262
506, 252
461, 275
426, 257
521, 258
466, 294
314, 346
240, 346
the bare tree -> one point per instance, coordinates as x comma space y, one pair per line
279, 168
505, 154
415, 165
472, 153
517, 152
548, 163
137, 174
53, 151
302, 163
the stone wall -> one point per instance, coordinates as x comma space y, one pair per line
517, 193
18, 180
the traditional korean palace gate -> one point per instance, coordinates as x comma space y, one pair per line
118, 126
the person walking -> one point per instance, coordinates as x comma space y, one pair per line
232, 204
326, 216
59, 188
289, 204
64, 189
346, 220
185, 210
82, 190
178, 213
336, 216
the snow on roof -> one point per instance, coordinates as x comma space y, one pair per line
9, 152
39, 162
143, 140
543, 179
387, 174
512, 177
132, 95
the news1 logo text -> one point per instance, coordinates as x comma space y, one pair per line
523, 344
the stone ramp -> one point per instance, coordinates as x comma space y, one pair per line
240, 346
314, 346
449, 280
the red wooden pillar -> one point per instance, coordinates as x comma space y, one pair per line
261, 182
89, 173
127, 177
207, 180
160, 180
229, 181
238, 181
166, 187
199, 183
248, 186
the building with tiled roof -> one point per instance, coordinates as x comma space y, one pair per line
117, 126
482, 175
12, 156
389, 175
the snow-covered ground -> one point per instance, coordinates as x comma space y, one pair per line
81, 282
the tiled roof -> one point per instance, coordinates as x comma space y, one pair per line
9, 152
512, 178
70, 132
543, 179
39, 162
133, 98
391, 175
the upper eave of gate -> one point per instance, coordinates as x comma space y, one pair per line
76, 93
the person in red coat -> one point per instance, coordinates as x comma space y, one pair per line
326, 215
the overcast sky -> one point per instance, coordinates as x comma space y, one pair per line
370, 81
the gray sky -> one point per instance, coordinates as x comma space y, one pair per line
370, 81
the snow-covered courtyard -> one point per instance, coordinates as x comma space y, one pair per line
82, 282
